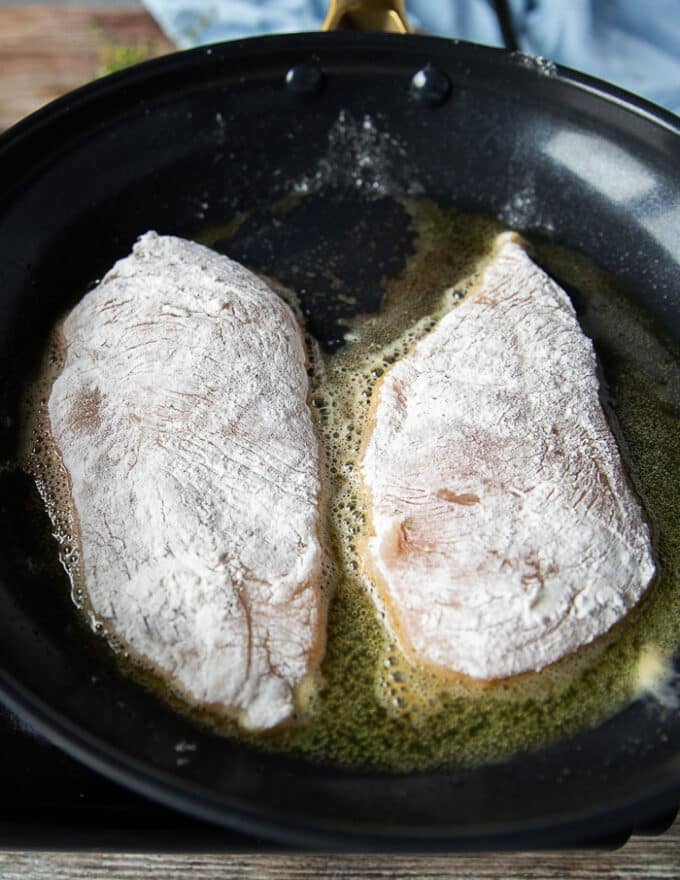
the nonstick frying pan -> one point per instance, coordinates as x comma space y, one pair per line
189, 140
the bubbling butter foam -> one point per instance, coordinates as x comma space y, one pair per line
372, 706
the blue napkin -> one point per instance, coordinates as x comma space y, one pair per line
631, 43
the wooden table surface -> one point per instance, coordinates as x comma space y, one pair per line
44, 52
641, 859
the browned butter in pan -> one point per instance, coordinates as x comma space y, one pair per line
371, 706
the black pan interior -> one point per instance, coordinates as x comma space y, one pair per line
191, 140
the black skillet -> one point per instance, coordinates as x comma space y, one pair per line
189, 140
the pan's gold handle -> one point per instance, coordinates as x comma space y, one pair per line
367, 15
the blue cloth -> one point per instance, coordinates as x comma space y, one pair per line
631, 43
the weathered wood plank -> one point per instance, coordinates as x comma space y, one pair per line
656, 858
46, 51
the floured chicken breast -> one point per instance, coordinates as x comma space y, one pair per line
181, 416
503, 534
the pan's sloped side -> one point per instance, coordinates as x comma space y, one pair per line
189, 140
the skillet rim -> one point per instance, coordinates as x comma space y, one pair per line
615, 821
98, 88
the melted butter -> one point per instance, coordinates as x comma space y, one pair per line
370, 705
38, 455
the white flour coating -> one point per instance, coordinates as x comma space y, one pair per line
504, 534
361, 155
181, 416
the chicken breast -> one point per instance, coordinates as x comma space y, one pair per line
181, 417
503, 534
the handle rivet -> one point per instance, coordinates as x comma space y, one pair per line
305, 80
430, 86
